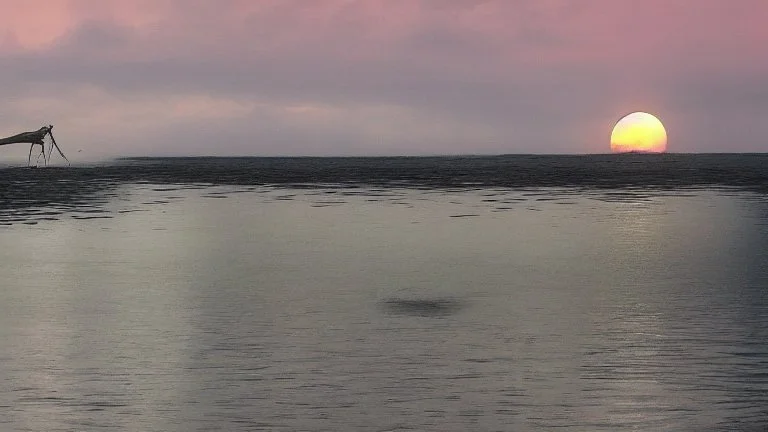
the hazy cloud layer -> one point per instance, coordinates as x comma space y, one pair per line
323, 77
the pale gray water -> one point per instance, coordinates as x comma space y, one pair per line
281, 309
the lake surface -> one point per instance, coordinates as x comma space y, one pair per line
512, 293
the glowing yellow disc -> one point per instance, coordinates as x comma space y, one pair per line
639, 132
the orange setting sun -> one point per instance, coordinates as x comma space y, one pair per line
639, 132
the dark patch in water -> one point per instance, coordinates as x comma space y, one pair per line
90, 217
421, 307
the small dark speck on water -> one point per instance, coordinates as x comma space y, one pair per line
422, 307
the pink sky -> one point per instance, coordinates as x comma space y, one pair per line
334, 77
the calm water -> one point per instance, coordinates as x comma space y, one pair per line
444, 294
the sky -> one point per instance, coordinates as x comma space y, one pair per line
380, 77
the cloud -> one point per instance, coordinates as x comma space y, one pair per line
379, 77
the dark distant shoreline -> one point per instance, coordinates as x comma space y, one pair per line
448, 156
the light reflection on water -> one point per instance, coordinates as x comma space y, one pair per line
255, 307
